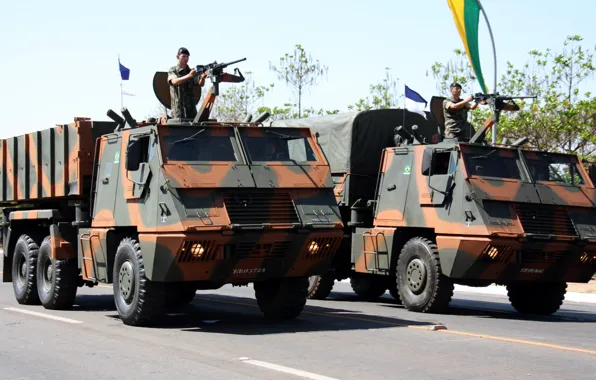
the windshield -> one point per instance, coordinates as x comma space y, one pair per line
492, 162
554, 167
199, 144
269, 144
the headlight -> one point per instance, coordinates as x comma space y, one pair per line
197, 250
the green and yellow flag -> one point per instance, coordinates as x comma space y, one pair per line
466, 14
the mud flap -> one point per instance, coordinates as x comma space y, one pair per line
62, 249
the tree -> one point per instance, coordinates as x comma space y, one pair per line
239, 100
384, 95
561, 118
300, 71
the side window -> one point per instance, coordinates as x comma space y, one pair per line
139, 151
442, 163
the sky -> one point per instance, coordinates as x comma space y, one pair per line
59, 59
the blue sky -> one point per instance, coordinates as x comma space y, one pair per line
59, 59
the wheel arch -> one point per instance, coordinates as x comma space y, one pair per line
402, 236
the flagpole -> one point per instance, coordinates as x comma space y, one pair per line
494, 137
119, 71
404, 110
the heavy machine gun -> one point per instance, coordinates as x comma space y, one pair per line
215, 72
497, 104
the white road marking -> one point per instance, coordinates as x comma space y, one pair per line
292, 371
42, 315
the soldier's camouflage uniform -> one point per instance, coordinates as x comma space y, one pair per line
182, 95
456, 122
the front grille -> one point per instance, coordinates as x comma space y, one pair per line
260, 208
537, 257
545, 220
268, 250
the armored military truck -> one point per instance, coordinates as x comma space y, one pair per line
423, 213
165, 207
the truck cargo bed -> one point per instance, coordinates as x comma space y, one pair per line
51, 163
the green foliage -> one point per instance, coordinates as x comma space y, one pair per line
457, 69
300, 71
560, 119
384, 95
239, 100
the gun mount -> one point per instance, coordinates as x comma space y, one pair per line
216, 74
497, 104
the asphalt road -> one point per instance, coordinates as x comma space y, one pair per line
222, 335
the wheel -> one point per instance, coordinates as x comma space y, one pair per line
421, 285
137, 299
24, 271
282, 298
319, 287
57, 280
537, 297
179, 294
368, 287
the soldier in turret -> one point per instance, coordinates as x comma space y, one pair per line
182, 80
455, 111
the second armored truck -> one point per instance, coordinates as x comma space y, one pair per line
423, 213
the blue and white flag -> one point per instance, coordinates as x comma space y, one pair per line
413, 102
124, 75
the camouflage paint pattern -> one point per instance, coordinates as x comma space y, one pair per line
487, 227
220, 221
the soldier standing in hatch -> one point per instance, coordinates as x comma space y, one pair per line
182, 80
455, 111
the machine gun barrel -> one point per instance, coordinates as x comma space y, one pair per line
480, 96
216, 66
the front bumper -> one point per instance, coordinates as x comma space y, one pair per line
504, 260
239, 257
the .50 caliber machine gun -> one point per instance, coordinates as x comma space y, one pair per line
497, 104
215, 71
216, 74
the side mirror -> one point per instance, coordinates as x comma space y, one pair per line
133, 155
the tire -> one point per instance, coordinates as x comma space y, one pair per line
420, 284
369, 287
283, 298
24, 271
319, 287
178, 294
537, 298
57, 280
137, 299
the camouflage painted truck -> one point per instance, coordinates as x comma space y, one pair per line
423, 213
164, 208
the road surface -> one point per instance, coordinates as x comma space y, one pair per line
222, 335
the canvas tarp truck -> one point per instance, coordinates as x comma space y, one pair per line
437, 212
